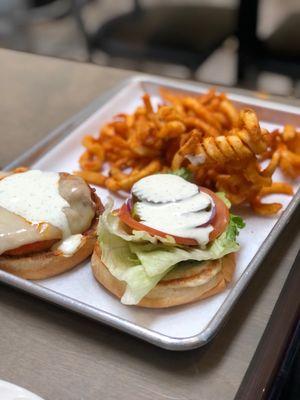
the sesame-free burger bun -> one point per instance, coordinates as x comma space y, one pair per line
180, 286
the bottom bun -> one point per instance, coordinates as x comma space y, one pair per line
180, 286
47, 263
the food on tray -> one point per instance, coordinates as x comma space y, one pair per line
48, 222
222, 147
171, 243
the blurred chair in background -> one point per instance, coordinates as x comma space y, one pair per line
176, 34
278, 53
14, 24
18, 16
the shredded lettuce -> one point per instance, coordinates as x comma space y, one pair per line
142, 260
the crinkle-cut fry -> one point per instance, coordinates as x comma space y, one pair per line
95, 178
127, 182
277, 187
264, 208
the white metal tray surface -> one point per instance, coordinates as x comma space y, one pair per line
178, 328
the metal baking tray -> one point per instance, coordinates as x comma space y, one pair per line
180, 328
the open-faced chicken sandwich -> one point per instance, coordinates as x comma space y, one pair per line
48, 222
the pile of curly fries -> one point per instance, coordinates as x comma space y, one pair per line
222, 146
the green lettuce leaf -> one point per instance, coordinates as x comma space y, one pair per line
223, 197
183, 173
235, 224
141, 260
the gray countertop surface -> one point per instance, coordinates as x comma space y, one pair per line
62, 356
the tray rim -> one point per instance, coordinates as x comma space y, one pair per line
149, 335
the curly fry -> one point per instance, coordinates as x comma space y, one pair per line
126, 182
95, 178
207, 134
277, 187
265, 208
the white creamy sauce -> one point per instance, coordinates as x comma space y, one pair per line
197, 159
178, 214
162, 188
70, 245
34, 195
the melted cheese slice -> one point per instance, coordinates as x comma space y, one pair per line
34, 195
36, 205
15, 231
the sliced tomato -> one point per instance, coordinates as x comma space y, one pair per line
221, 218
125, 217
31, 248
219, 222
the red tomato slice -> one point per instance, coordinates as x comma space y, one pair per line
219, 222
31, 248
221, 218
